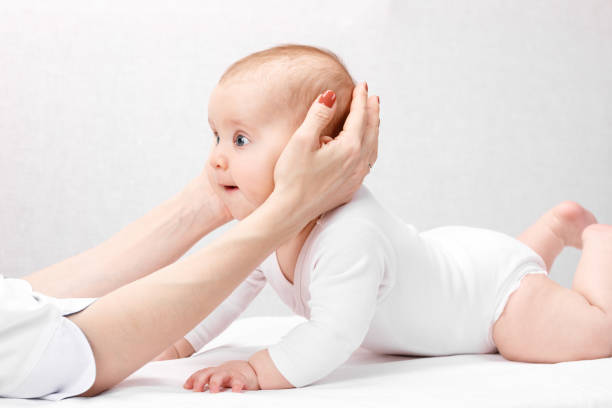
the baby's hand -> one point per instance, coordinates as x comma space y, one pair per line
168, 354
237, 375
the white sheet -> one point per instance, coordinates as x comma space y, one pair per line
366, 380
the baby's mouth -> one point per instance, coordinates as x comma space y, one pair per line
230, 188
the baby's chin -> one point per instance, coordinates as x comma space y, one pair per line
243, 209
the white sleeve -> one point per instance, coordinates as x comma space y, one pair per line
344, 290
227, 311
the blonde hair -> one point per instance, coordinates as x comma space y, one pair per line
303, 72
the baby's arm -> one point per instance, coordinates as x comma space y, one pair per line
218, 320
180, 349
343, 301
344, 290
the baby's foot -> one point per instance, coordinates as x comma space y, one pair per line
569, 219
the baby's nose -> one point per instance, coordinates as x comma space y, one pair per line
218, 161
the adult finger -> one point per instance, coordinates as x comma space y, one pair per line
370, 141
325, 140
318, 117
357, 118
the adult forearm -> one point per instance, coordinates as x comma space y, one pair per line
133, 324
155, 240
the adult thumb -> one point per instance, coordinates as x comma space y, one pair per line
318, 117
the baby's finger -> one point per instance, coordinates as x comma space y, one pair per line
237, 384
357, 117
217, 380
202, 379
189, 382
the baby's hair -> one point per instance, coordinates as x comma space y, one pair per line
304, 72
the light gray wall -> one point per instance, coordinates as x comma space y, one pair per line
492, 111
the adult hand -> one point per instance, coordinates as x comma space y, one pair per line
319, 177
200, 192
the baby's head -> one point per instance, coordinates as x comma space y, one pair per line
257, 105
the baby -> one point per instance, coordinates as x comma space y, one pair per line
364, 277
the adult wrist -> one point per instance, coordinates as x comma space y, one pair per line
292, 211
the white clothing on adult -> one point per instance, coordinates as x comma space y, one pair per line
42, 354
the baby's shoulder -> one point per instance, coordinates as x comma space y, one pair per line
360, 223
351, 239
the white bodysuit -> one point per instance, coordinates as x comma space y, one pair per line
366, 278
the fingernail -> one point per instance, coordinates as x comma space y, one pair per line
366, 85
328, 98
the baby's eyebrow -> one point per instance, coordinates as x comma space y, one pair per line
237, 122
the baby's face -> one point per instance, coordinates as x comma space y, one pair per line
249, 134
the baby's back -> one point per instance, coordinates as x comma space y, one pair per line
437, 292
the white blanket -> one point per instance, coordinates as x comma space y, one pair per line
366, 380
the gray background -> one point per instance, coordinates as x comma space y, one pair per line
492, 111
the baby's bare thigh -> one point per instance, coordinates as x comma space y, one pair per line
543, 322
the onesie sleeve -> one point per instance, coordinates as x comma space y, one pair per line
227, 311
344, 283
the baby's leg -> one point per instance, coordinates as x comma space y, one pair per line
560, 226
547, 323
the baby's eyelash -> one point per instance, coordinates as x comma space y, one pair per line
239, 136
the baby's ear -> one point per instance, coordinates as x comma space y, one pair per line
325, 139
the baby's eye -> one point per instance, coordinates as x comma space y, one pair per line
241, 140
216, 139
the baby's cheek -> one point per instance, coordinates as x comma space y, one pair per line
259, 173
254, 185
266, 176
269, 179
265, 185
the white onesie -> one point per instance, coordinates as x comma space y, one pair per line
366, 278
